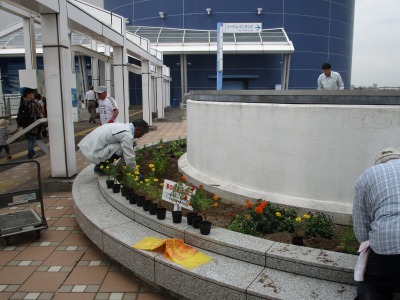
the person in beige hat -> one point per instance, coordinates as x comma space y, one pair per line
376, 221
4, 134
108, 109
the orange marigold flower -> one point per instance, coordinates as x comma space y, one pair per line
201, 186
247, 200
192, 189
184, 197
264, 204
183, 178
216, 204
258, 210
249, 204
190, 203
246, 216
215, 198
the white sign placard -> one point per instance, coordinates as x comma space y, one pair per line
167, 195
242, 27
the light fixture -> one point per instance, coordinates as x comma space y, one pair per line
259, 10
162, 14
208, 10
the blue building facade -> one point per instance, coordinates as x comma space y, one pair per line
321, 31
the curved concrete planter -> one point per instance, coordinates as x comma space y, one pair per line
263, 144
243, 267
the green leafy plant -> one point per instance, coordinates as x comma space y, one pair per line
202, 202
180, 192
244, 223
348, 242
110, 169
319, 225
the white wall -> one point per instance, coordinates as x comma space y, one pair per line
301, 155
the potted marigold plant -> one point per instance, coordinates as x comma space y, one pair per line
110, 169
180, 192
201, 203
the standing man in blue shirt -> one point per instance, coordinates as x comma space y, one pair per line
376, 218
329, 80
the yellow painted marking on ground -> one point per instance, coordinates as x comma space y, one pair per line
83, 132
4, 185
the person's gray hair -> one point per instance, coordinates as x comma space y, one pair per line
387, 154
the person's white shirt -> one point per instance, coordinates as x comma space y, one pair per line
332, 82
106, 109
90, 95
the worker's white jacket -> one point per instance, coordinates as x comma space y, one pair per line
104, 141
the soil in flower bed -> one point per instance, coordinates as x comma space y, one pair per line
222, 215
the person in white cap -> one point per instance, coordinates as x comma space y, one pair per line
108, 109
376, 218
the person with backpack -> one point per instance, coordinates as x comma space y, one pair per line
28, 112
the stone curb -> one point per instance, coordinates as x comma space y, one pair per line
263, 267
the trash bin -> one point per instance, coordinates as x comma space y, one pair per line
175, 102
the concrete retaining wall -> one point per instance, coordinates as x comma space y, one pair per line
304, 155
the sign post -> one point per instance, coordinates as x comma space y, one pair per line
220, 55
230, 28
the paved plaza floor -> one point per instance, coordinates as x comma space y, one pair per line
64, 263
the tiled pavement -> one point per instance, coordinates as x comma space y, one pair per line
64, 263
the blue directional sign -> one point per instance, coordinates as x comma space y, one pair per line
242, 27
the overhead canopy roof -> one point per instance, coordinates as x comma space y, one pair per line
190, 41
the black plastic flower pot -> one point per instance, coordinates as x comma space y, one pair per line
109, 183
116, 188
161, 213
297, 240
189, 217
153, 208
132, 199
146, 205
205, 227
196, 221
123, 191
176, 216
129, 191
140, 200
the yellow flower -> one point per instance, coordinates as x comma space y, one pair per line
101, 167
107, 161
155, 180
137, 167
306, 216
115, 159
124, 167
153, 169
215, 198
141, 182
147, 180
278, 214
137, 173
136, 178
216, 204
107, 167
161, 184
298, 219
151, 166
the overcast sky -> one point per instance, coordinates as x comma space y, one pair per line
376, 44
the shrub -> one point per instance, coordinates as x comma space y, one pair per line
319, 225
244, 223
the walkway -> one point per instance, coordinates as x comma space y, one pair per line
64, 263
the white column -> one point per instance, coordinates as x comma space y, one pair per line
107, 67
121, 83
183, 75
95, 66
160, 94
57, 69
146, 92
29, 44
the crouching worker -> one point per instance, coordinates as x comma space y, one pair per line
112, 141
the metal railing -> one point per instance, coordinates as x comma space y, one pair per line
9, 105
